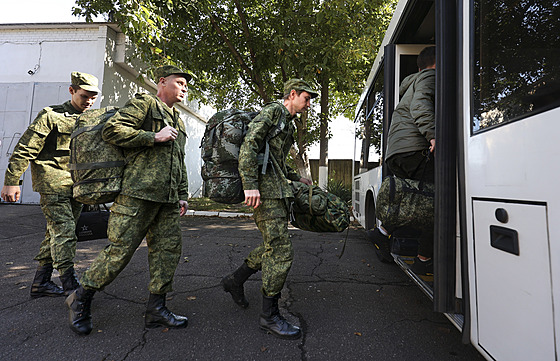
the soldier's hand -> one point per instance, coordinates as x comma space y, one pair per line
252, 198
432, 145
10, 193
166, 134
184, 206
306, 181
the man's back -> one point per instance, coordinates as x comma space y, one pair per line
413, 122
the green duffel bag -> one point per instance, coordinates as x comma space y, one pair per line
315, 210
405, 203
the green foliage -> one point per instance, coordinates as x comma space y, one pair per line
241, 51
341, 190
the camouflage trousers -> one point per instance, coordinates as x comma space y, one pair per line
59, 246
275, 254
130, 221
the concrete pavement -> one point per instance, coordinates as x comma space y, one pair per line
354, 308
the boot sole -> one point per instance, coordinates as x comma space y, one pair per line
80, 333
158, 325
287, 337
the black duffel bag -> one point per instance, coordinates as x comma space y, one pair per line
92, 223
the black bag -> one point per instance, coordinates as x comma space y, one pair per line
92, 223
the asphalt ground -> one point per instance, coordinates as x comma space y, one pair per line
353, 308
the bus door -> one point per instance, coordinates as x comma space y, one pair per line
400, 62
511, 179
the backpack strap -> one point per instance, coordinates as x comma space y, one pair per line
310, 198
276, 130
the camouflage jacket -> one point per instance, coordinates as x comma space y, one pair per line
413, 122
273, 184
155, 171
46, 145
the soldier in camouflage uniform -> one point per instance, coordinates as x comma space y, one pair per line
46, 145
268, 193
153, 197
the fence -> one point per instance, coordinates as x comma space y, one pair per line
339, 169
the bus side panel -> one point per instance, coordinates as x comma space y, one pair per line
513, 280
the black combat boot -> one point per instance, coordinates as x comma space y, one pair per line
42, 285
234, 284
79, 310
272, 322
158, 315
69, 281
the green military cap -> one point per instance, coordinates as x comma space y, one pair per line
85, 81
299, 84
167, 70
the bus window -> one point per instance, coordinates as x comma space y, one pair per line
371, 124
516, 60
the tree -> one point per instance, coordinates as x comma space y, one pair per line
241, 51
343, 38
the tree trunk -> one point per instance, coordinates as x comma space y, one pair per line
324, 132
299, 150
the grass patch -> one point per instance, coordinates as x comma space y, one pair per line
206, 204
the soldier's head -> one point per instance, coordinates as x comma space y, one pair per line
83, 90
297, 95
172, 84
427, 58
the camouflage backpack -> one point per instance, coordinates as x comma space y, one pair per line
405, 203
96, 166
220, 146
315, 210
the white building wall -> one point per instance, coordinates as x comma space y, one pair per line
44, 55
57, 52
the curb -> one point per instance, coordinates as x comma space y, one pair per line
217, 214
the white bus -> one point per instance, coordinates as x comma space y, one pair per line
497, 201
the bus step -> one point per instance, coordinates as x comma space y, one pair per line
426, 283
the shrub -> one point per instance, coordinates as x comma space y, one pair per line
341, 190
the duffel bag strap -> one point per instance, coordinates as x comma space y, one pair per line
310, 196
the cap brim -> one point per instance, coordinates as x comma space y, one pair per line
188, 77
90, 88
311, 93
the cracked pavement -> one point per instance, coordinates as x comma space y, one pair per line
353, 308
